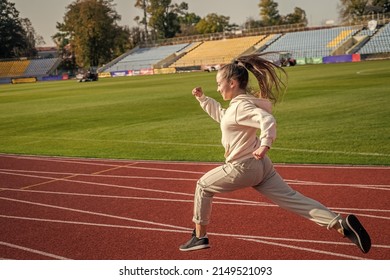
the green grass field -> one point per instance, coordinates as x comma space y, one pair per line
332, 114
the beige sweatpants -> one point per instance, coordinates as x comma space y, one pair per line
261, 175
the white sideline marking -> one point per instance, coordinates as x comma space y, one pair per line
204, 145
32, 250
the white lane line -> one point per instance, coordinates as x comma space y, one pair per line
305, 249
119, 162
129, 187
332, 152
186, 230
234, 201
135, 197
364, 215
261, 239
21, 172
179, 230
331, 166
237, 201
364, 186
257, 204
90, 212
30, 250
356, 186
291, 182
18, 173
113, 165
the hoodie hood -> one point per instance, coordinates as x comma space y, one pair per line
261, 103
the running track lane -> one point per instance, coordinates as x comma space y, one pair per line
85, 209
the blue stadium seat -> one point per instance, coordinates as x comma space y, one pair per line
144, 58
40, 67
379, 42
312, 43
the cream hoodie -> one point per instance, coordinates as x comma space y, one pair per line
240, 122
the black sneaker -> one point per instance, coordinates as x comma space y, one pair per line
195, 243
355, 232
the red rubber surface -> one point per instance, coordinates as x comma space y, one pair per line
85, 209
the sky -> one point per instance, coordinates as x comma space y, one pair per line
44, 14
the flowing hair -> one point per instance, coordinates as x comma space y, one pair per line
269, 76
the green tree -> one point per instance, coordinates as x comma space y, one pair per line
136, 36
68, 62
253, 23
187, 23
299, 16
269, 12
161, 16
383, 6
164, 17
91, 29
352, 8
32, 39
212, 23
349, 9
143, 4
17, 35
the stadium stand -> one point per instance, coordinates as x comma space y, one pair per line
18, 68
307, 45
312, 43
28, 68
268, 41
366, 32
143, 58
13, 68
379, 42
41, 67
5, 68
340, 38
218, 52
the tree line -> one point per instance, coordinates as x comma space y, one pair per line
17, 35
90, 35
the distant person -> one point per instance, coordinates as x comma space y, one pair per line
246, 160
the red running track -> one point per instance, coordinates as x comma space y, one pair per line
90, 209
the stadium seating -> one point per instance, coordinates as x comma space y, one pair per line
40, 67
218, 51
312, 43
27, 68
379, 42
144, 58
5, 68
340, 38
197, 54
365, 32
13, 68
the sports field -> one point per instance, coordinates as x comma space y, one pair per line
118, 187
330, 114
